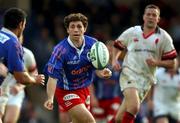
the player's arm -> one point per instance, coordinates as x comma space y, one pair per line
166, 63
3, 70
161, 63
119, 51
32, 70
51, 87
25, 78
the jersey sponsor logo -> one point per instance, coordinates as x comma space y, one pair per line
73, 62
81, 70
70, 97
67, 103
144, 50
3, 38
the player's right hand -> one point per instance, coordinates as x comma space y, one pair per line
40, 79
48, 104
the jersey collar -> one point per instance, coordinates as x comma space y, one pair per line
157, 30
72, 45
9, 32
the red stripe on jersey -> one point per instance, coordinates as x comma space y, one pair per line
145, 36
119, 45
169, 55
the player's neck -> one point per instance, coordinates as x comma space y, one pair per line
15, 31
148, 30
78, 43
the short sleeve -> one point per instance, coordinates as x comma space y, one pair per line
15, 57
169, 51
55, 64
126, 36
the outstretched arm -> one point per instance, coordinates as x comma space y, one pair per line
25, 78
51, 87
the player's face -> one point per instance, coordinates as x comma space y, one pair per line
76, 30
151, 18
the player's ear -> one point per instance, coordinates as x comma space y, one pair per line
21, 24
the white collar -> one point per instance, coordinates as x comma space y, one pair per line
71, 43
6, 30
79, 51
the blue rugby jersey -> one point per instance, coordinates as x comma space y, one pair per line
71, 66
11, 51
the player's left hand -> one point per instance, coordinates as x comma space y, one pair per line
151, 62
49, 104
40, 79
105, 73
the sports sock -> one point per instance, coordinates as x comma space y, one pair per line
128, 118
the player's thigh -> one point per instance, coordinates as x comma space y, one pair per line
12, 114
80, 114
132, 100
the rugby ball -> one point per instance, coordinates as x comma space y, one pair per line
99, 55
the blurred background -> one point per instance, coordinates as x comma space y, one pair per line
107, 20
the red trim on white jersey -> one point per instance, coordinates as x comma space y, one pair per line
119, 45
145, 36
169, 55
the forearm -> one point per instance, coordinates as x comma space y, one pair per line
166, 63
51, 87
24, 78
116, 54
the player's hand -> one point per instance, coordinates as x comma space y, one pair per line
105, 73
151, 62
40, 79
49, 104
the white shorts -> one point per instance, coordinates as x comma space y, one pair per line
165, 104
17, 99
9, 99
130, 78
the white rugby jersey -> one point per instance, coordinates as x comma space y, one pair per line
157, 45
29, 60
30, 65
167, 89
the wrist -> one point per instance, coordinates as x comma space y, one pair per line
51, 98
